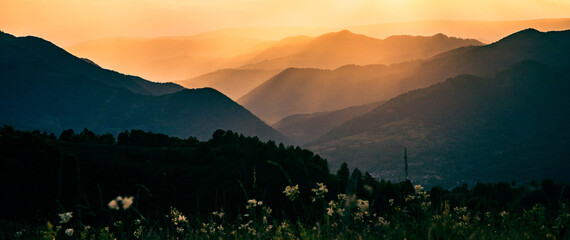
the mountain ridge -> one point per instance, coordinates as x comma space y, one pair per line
40, 90
467, 128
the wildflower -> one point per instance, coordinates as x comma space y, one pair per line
138, 232
127, 202
292, 192
391, 202
69, 232
267, 210
418, 188
65, 217
180, 229
320, 191
120, 202
252, 203
114, 205
181, 218
504, 213
177, 217
330, 211
362, 206
219, 214
382, 222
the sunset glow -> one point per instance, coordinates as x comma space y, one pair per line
67, 22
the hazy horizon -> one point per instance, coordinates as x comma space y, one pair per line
68, 22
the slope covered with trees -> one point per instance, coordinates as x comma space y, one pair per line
44, 87
511, 126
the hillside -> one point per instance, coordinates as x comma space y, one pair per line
43, 87
78, 175
33, 56
510, 126
303, 91
332, 50
234, 83
297, 91
303, 128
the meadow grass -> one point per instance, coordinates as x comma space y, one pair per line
345, 217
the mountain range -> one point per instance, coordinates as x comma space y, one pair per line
299, 91
510, 126
178, 58
44, 87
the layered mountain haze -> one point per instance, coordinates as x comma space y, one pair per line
294, 90
167, 58
485, 31
306, 90
43, 87
511, 126
332, 50
234, 83
178, 58
303, 128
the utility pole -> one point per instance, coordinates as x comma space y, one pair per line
406, 162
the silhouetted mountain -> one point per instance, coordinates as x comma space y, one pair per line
511, 126
302, 128
31, 54
305, 91
234, 83
44, 87
551, 48
333, 50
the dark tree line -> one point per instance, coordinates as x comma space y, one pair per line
42, 175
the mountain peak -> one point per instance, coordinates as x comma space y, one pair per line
527, 34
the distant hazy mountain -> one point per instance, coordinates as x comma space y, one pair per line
485, 31
303, 128
234, 83
301, 91
310, 90
44, 87
333, 50
510, 126
167, 58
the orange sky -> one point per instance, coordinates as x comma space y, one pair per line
66, 22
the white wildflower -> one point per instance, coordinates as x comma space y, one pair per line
292, 192
120, 202
113, 204
320, 191
138, 232
252, 203
127, 202
65, 217
69, 232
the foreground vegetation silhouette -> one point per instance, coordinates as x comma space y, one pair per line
145, 185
